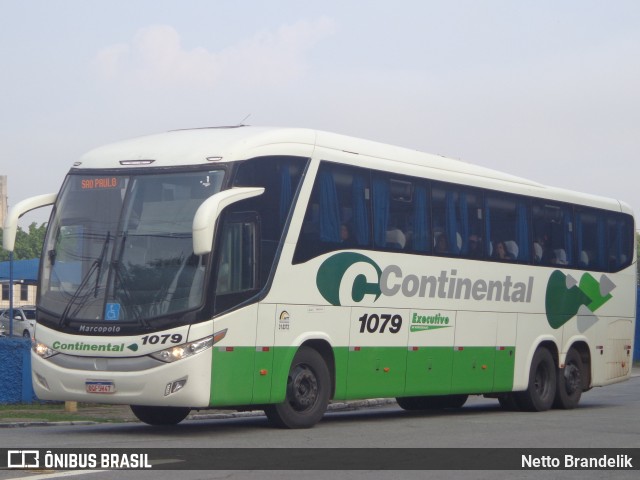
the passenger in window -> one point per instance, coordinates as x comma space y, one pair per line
537, 252
559, 257
475, 247
544, 254
500, 252
346, 238
396, 238
442, 247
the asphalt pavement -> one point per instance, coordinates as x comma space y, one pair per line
123, 414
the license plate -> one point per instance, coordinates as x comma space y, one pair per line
100, 386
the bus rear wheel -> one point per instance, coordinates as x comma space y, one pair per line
569, 381
436, 402
541, 389
308, 389
160, 415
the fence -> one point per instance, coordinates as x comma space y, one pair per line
15, 371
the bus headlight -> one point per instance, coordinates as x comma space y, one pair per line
185, 350
43, 351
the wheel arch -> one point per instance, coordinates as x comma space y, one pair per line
553, 349
324, 348
282, 363
548, 342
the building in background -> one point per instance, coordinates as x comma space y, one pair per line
25, 274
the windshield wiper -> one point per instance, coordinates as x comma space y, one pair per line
117, 270
99, 261
96, 265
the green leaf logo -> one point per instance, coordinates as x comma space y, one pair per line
565, 296
133, 347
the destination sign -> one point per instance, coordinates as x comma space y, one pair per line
99, 182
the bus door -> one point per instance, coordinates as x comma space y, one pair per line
236, 267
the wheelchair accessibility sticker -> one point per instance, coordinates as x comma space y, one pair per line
112, 312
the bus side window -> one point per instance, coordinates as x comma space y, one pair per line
457, 221
590, 239
280, 176
553, 235
337, 215
237, 260
620, 241
507, 225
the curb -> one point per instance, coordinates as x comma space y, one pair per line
338, 406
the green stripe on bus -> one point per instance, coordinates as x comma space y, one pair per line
244, 375
241, 376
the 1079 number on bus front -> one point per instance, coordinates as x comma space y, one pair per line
161, 339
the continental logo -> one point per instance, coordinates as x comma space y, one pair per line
349, 277
92, 347
565, 295
358, 273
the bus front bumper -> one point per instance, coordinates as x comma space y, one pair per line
184, 383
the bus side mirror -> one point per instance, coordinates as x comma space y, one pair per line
18, 210
204, 220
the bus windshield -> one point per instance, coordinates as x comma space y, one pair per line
119, 248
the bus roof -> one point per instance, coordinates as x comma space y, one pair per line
202, 146
196, 146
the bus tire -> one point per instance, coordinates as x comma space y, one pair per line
308, 389
570, 382
160, 415
541, 391
436, 402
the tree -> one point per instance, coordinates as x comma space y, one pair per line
28, 244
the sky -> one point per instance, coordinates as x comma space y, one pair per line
545, 90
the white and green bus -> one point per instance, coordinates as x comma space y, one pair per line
281, 269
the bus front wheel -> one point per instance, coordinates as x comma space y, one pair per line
160, 415
307, 397
541, 389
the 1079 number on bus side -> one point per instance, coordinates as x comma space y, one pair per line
374, 323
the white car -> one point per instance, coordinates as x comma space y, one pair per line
24, 321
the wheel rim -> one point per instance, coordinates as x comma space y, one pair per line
572, 378
302, 388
